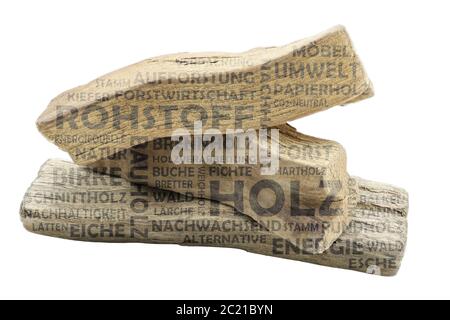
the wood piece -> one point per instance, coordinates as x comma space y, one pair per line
73, 202
308, 195
262, 87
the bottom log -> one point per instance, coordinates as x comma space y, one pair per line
73, 202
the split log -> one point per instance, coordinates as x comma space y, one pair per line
263, 87
73, 202
307, 191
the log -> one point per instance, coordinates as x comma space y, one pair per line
307, 190
263, 87
73, 202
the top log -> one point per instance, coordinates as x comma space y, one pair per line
263, 87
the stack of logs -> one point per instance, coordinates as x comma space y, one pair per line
195, 149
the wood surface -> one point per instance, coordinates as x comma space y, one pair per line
73, 202
309, 194
263, 87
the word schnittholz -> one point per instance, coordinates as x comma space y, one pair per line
195, 149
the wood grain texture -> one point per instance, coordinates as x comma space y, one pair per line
308, 195
263, 87
73, 202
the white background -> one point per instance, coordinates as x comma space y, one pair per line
400, 136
